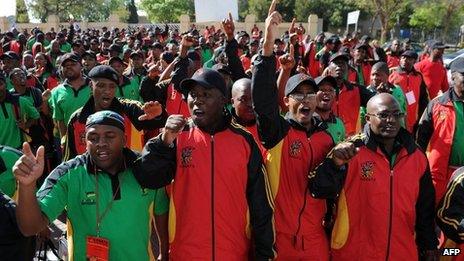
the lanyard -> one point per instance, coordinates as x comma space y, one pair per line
108, 207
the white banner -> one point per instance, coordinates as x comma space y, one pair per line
214, 10
353, 17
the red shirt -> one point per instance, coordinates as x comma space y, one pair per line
435, 77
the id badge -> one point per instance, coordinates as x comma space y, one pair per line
410, 97
98, 249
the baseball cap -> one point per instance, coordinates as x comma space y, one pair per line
10, 55
328, 78
70, 57
457, 65
222, 68
136, 53
89, 53
104, 71
339, 55
207, 78
361, 46
298, 79
115, 48
410, 54
438, 45
115, 59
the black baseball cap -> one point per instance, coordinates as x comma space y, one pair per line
207, 78
438, 45
115, 59
328, 78
157, 45
340, 55
298, 79
457, 65
361, 46
115, 48
136, 53
104, 71
222, 68
410, 54
70, 57
90, 53
10, 55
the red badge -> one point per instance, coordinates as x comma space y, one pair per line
98, 249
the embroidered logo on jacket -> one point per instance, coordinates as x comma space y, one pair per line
89, 198
295, 148
367, 173
186, 156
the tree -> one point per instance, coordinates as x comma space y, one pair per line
388, 12
21, 12
164, 11
132, 9
260, 8
442, 14
334, 12
86, 10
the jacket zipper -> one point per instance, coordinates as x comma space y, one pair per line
390, 214
390, 221
213, 236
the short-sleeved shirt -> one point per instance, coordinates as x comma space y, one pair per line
8, 157
129, 89
126, 225
10, 134
65, 100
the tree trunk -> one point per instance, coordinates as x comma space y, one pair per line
385, 28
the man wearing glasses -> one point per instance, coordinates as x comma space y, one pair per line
384, 189
295, 144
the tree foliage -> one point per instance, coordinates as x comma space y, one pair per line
84, 10
442, 14
164, 11
334, 12
21, 12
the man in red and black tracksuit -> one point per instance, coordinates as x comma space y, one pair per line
219, 190
349, 97
440, 130
450, 213
413, 86
385, 193
295, 145
136, 116
362, 66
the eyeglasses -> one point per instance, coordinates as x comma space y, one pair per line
301, 96
327, 91
385, 115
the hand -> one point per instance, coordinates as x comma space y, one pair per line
29, 167
152, 110
384, 87
46, 95
229, 27
187, 41
343, 152
174, 125
272, 21
292, 28
301, 69
287, 61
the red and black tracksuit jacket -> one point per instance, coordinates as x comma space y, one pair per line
385, 204
450, 214
411, 82
219, 193
130, 110
292, 151
349, 97
436, 132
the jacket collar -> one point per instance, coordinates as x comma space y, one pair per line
448, 97
317, 124
403, 140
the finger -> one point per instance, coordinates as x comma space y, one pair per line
272, 7
24, 169
292, 26
230, 17
27, 150
29, 162
40, 155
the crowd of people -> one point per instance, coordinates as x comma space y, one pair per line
230, 146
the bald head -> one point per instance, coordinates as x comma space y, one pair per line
382, 100
240, 86
380, 67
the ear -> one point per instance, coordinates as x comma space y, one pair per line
286, 101
367, 118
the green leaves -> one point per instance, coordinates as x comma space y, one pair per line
164, 11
